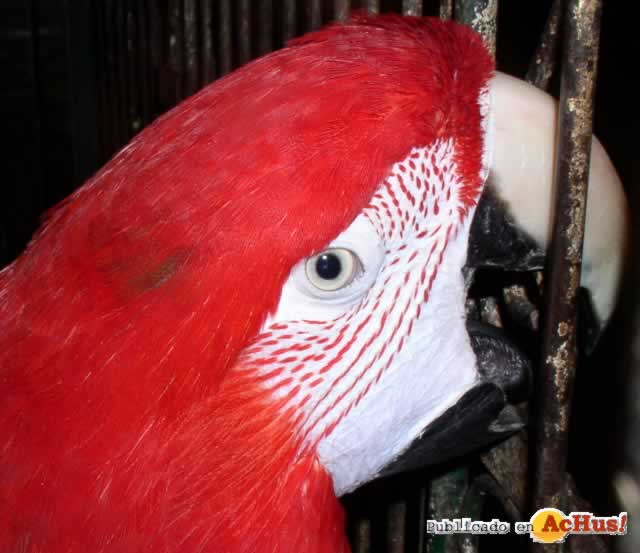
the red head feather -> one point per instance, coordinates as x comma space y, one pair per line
122, 429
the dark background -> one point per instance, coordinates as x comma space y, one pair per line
55, 74
77, 84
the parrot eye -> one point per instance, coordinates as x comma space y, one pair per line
324, 286
333, 269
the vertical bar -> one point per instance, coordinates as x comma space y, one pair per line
445, 500
143, 61
35, 73
421, 517
396, 518
112, 74
191, 46
559, 355
289, 26
373, 6
265, 34
474, 500
105, 112
544, 60
412, 7
119, 38
481, 16
176, 51
341, 9
314, 14
134, 120
244, 31
362, 541
206, 32
508, 464
155, 56
627, 481
446, 9
224, 33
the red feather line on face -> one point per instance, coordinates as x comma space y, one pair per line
121, 320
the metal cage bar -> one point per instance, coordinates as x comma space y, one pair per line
314, 14
544, 60
244, 31
208, 54
446, 9
289, 24
373, 6
265, 32
482, 17
342, 9
559, 353
412, 7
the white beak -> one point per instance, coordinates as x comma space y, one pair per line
524, 121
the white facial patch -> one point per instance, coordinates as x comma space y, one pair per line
366, 368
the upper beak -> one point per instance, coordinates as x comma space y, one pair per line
514, 218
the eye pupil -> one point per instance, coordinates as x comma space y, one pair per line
332, 269
328, 266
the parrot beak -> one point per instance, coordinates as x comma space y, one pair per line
514, 218
510, 231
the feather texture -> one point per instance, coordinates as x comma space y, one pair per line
123, 424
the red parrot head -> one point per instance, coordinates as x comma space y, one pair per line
257, 305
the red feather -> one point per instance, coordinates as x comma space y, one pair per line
123, 425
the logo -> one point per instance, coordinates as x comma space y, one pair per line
553, 526
547, 525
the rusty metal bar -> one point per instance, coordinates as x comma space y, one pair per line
373, 6
206, 31
265, 34
289, 26
244, 31
224, 34
481, 16
559, 355
191, 49
412, 7
545, 57
446, 9
342, 9
314, 14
